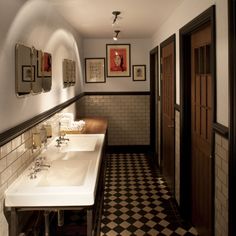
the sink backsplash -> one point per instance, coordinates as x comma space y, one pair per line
15, 156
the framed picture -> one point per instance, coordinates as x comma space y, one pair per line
95, 70
69, 73
28, 73
44, 64
139, 72
118, 60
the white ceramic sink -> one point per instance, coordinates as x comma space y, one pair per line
65, 173
79, 142
70, 181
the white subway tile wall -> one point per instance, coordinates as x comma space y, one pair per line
221, 186
128, 117
15, 156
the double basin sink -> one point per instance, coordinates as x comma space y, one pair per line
70, 180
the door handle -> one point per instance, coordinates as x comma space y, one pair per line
171, 126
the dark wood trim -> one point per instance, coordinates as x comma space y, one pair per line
232, 115
207, 16
118, 93
221, 129
169, 40
128, 148
153, 55
177, 107
12, 133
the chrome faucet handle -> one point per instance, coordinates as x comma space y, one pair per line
45, 165
32, 175
39, 159
58, 142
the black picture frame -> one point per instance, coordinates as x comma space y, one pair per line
28, 73
118, 60
139, 72
95, 70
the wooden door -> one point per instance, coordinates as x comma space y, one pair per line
201, 121
154, 89
167, 96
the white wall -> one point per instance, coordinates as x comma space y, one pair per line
139, 55
34, 23
187, 11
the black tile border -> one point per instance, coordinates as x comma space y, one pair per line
128, 148
221, 129
117, 93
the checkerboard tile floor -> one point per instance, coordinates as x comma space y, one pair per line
137, 200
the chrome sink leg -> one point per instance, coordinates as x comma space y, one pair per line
60, 218
46, 221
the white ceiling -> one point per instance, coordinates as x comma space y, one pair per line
138, 18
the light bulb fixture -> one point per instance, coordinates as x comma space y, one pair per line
116, 14
115, 37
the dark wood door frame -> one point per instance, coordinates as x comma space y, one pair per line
232, 115
207, 16
172, 38
154, 68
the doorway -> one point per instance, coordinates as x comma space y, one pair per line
167, 50
201, 129
154, 107
232, 108
197, 98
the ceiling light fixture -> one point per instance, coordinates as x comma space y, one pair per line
116, 14
115, 37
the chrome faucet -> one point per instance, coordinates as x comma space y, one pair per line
38, 166
61, 138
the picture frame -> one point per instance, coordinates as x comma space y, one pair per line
139, 72
44, 64
118, 60
28, 73
69, 72
95, 70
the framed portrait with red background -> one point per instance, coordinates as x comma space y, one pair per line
118, 60
44, 64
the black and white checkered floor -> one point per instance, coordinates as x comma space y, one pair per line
137, 201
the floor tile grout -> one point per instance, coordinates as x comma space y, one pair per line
137, 200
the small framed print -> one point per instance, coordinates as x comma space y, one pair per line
95, 70
44, 64
28, 73
118, 60
69, 73
139, 72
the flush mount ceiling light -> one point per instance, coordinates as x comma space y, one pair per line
115, 37
116, 14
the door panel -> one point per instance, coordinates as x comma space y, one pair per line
201, 107
167, 94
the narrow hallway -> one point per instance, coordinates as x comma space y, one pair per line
137, 200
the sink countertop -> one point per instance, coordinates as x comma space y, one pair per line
97, 125
40, 192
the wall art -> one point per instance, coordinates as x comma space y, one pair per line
95, 70
118, 60
139, 72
